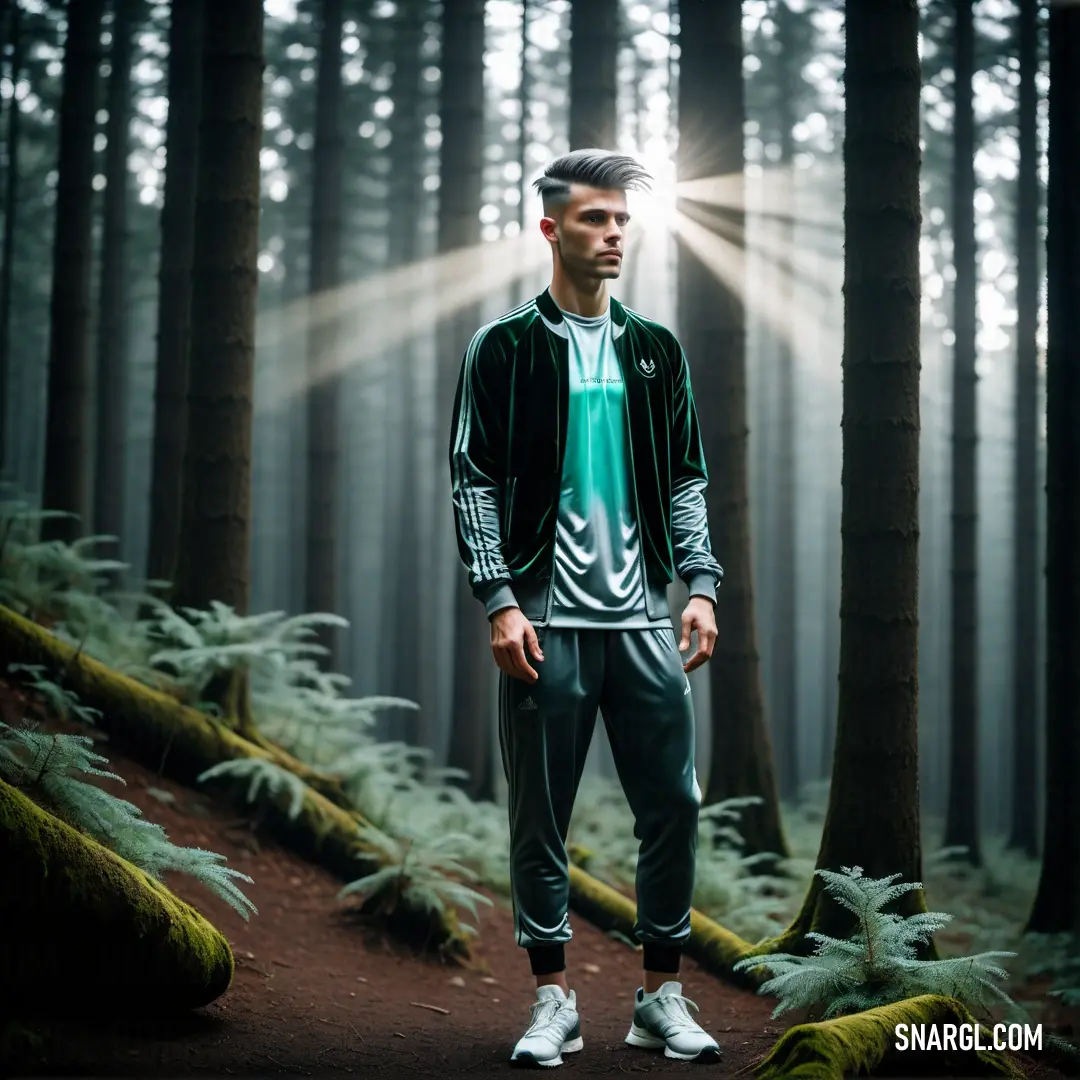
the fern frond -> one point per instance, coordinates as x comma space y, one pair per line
63, 701
260, 774
40, 754
371, 883
207, 867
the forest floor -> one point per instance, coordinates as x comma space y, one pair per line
318, 991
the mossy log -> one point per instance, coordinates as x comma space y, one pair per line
866, 1043
714, 948
84, 926
182, 742
150, 724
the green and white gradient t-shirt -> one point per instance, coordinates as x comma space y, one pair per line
598, 569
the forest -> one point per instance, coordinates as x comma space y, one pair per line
253, 809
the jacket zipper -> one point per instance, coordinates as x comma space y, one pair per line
549, 600
637, 507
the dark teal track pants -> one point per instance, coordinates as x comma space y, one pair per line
634, 678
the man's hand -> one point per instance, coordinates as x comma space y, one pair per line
699, 615
510, 631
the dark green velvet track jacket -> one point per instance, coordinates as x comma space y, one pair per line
506, 458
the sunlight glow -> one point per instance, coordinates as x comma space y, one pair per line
397, 306
772, 192
654, 209
787, 289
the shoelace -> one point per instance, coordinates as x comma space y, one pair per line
543, 1013
674, 1006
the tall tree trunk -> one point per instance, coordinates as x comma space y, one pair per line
403, 650
215, 531
323, 587
1023, 833
594, 50
523, 286
1057, 903
11, 204
460, 184
68, 449
962, 815
112, 336
713, 330
833, 558
784, 667
8, 23
174, 286
873, 814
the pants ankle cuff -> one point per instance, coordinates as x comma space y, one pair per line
547, 959
661, 958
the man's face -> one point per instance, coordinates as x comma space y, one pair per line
588, 231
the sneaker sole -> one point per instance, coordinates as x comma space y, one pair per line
527, 1060
640, 1037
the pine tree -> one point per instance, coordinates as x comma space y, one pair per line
68, 453
712, 328
216, 520
873, 813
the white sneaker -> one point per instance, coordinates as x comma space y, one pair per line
555, 1029
661, 1019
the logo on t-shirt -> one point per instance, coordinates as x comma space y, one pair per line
647, 367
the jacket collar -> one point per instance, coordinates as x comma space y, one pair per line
554, 321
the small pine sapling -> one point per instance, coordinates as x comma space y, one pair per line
879, 964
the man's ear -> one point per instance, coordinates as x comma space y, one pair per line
548, 227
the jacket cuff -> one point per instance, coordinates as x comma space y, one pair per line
495, 596
702, 584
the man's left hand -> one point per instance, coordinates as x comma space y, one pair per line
699, 615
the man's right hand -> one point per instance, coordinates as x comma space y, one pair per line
510, 632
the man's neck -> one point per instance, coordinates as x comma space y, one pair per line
589, 299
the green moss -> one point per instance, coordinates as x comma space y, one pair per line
579, 855
82, 925
718, 949
865, 1044
182, 742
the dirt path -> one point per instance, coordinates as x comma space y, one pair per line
318, 993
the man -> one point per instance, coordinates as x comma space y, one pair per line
578, 479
